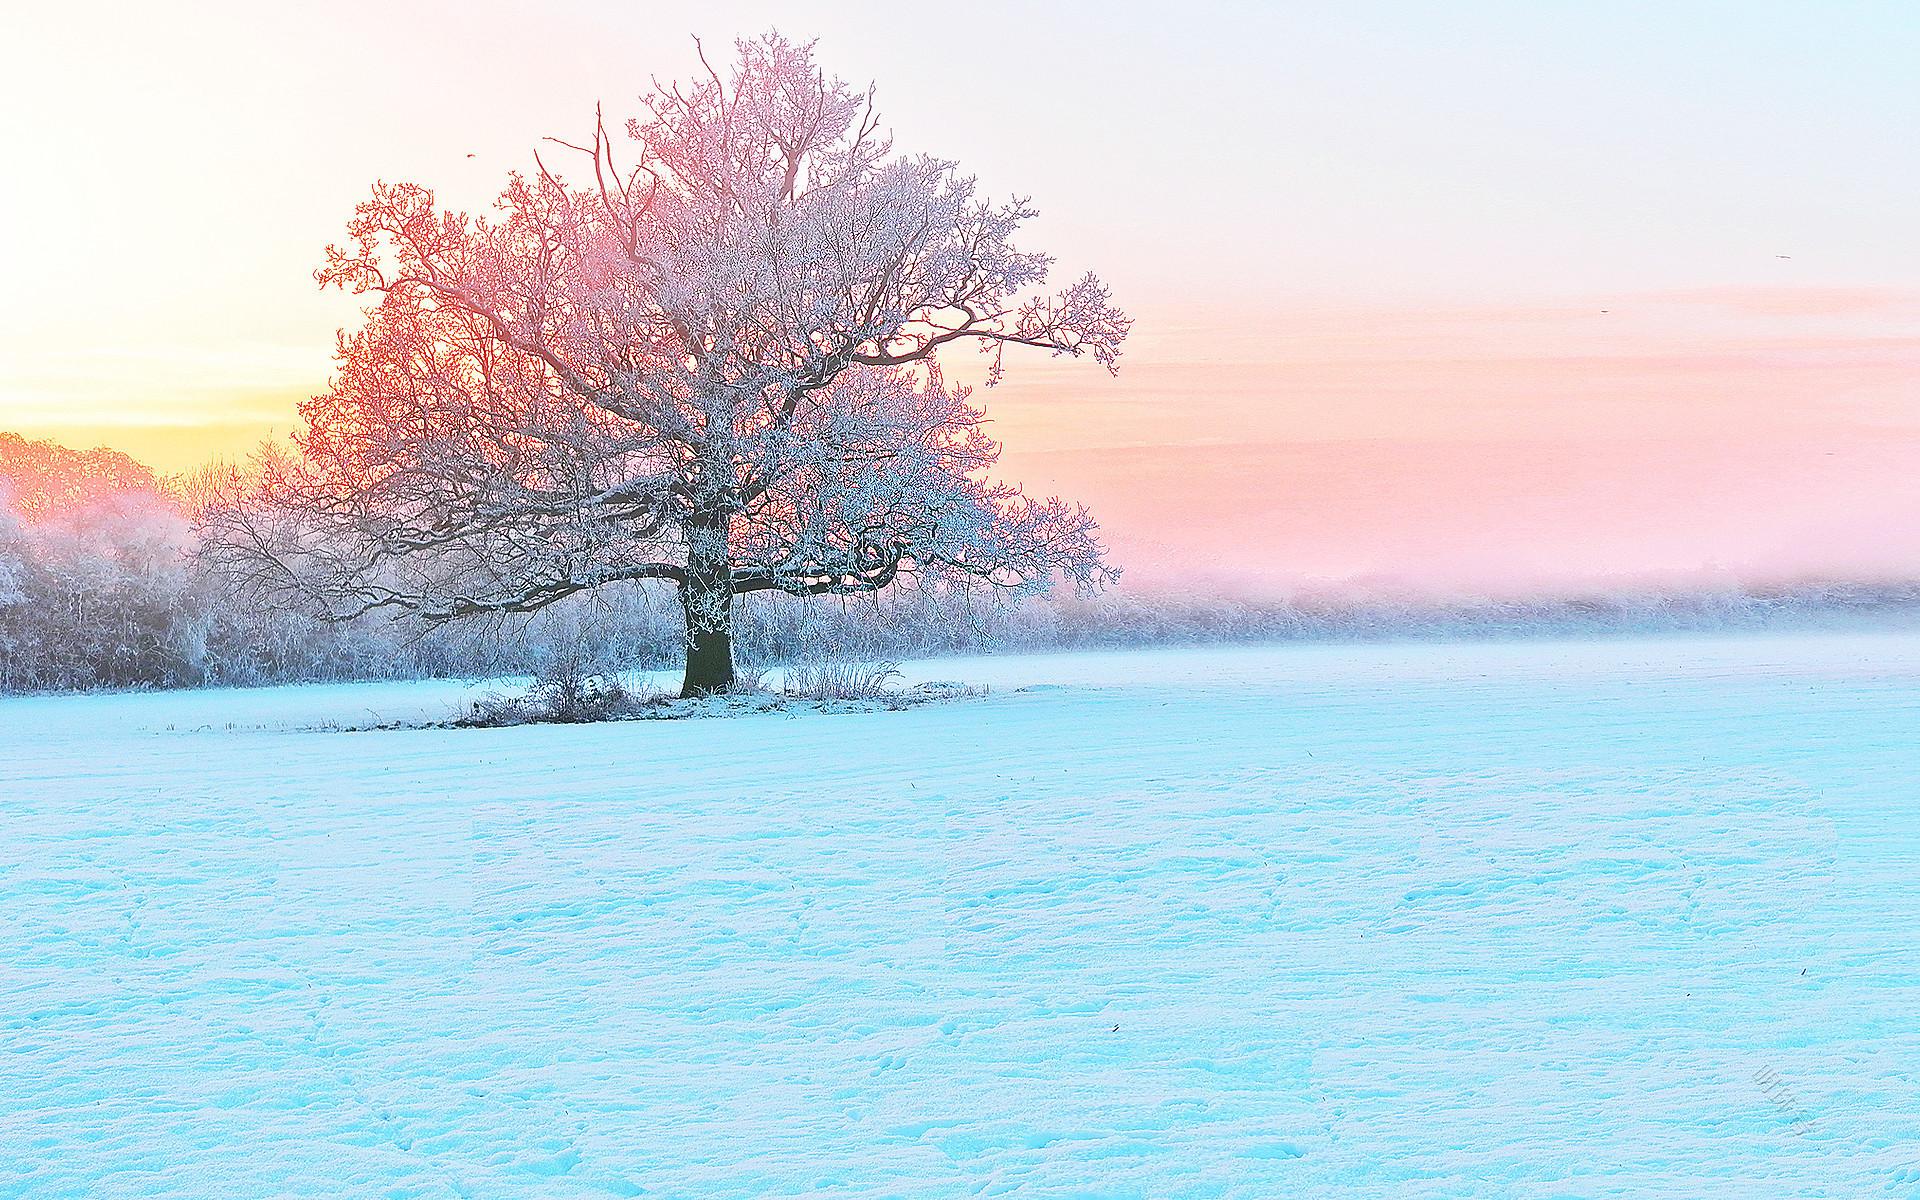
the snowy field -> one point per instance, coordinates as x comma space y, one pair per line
1624, 918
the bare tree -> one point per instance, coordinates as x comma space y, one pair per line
714, 364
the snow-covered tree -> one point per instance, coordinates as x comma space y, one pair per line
709, 356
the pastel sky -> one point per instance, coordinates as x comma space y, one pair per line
1477, 295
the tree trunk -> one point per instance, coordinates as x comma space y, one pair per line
707, 598
709, 662
709, 641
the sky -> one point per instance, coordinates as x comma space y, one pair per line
1483, 296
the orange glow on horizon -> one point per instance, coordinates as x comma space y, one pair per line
1760, 432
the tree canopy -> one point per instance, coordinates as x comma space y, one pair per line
707, 354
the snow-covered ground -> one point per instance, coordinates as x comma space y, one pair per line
1633, 918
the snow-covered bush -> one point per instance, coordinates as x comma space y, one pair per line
96, 597
560, 697
828, 678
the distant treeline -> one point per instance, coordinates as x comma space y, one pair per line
100, 587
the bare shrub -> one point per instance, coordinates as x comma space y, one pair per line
570, 697
561, 699
576, 680
833, 678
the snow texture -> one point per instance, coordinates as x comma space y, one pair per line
1531, 920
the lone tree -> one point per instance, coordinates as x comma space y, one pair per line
714, 363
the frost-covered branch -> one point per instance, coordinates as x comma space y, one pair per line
714, 362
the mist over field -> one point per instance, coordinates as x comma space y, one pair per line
99, 587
